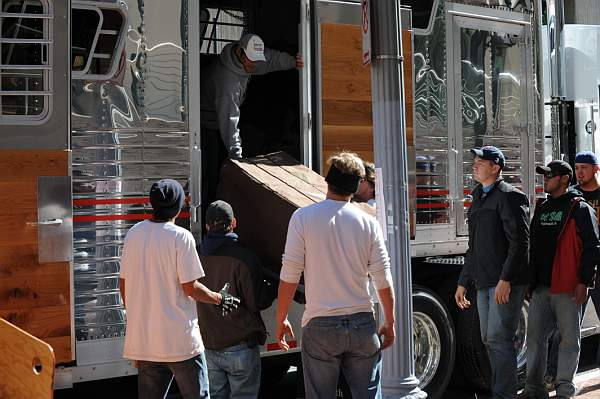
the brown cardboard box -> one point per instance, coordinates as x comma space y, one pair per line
264, 191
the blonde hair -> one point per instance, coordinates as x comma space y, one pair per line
348, 163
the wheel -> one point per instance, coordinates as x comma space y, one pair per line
472, 355
434, 343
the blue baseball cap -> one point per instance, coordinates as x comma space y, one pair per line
490, 153
586, 157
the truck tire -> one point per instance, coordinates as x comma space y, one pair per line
434, 342
472, 355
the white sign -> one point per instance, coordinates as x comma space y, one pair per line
380, 202
365, 8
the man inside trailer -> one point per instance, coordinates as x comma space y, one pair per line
223, 90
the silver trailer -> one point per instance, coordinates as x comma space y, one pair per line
134, 76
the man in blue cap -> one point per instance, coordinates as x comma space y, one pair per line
495, 263
159, 269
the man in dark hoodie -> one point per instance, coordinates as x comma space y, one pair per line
563, 256
498, 247
232, 343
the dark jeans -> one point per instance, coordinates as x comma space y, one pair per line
498, 324
154, 378
346, 343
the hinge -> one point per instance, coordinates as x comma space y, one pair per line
307, 7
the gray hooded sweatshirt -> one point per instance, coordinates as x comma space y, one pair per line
223, 89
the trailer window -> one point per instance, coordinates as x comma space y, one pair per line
26, 60
97, 46
218, 27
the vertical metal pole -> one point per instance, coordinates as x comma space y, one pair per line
193, 112
556, 23
389, 136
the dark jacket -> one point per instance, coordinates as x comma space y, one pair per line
498, 237
225, 260
575, 251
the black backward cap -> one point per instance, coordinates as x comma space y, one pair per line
167, 198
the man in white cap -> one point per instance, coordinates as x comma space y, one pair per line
224, 84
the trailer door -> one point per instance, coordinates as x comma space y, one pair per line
490, 88
35, 186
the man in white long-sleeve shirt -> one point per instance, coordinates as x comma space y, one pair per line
338, 247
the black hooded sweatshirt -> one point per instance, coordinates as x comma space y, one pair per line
225, 260
548, 221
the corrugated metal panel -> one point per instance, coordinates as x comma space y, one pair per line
127, 132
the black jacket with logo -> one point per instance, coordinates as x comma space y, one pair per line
549, 220
498, 237
225, 260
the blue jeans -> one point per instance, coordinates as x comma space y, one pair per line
545, 311
498, 325
154, 378
348, 343
234, 372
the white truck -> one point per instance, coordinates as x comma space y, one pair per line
89, 120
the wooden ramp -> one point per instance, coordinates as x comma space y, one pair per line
27, 364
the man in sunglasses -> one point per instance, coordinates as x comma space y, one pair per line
496, 264
563, 256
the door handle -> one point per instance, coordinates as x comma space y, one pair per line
50, 222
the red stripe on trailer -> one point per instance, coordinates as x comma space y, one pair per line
129, 216
275, 346
425, 192
437, 205
111, 201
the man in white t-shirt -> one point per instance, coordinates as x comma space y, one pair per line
159, 269
338, 247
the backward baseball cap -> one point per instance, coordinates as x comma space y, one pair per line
490, 153
219, 212
253, 46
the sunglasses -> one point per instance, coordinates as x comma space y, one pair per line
550, 175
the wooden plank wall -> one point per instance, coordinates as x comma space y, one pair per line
35, 297
346, 91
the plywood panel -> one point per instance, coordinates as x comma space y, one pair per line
33, 296
34, 291
28, 164
346, 91
20, 351
23, 262
342, 76
47, 321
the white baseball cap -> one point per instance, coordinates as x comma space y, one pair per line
253, 46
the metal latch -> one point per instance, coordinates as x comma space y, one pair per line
51, 222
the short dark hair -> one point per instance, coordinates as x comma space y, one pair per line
338, 191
